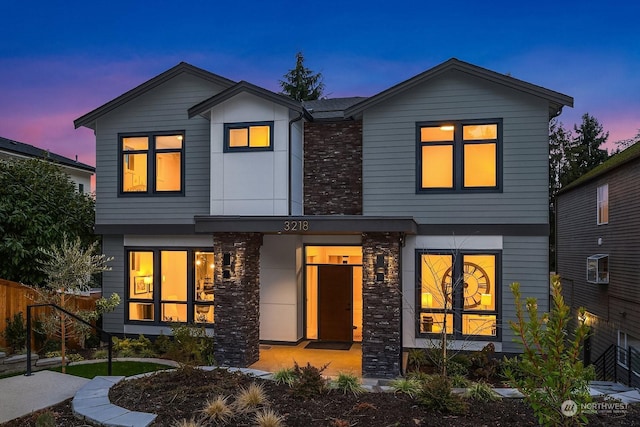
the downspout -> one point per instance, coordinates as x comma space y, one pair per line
291, 122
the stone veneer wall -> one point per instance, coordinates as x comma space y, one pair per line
237, 299
333, 168
381, 307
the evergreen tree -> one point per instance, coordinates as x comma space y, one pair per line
301, 83
585, 153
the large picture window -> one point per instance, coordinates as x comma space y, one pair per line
458, 293
457, 156
170, 286
152, 163
256, 136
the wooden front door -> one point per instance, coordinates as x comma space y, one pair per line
335, 303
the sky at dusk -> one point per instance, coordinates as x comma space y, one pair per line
60, 60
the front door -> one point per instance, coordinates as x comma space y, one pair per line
335, 297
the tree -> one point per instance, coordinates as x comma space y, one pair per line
585, 153
70, 269
626, 143
301, 83
38, 205
559, 144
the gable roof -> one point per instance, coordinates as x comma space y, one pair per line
556, 99
22, 149
628, 155
89, 119
247, 87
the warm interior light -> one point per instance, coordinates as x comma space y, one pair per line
148, 280
485, 300
427, 300
447, 128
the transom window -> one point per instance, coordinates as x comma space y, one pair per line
152, 163
170, 286
457, 293
256, 136
459, 155
603, 204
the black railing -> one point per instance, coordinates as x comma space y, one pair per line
619, 365
29, 307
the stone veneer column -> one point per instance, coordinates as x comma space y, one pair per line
381, 307
237, 298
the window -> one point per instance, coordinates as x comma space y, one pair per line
459, 156
628, 345
458, 293
256, 136
163, 286
152, 163
598, 268
603, 204
81, 188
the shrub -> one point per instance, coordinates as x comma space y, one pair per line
15, 334
348, 383
410, 386
483, 363
162, 344
71, 357
284, 376
101, 354
218, 409
46, 419
435, 394
455, 368
191, 345
132, 347
459, 381
481, 392
309, 381
268, 418
549, 371
416, 359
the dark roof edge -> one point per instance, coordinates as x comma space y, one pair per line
45, 154
154, 82
556, 98
617, 160
244, 86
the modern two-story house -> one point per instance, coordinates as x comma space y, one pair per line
385, 220
598, 241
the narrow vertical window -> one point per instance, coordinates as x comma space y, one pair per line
141, 286
603, 204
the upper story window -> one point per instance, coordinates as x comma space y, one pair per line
257, 136
603, 204
459, 156
152, 163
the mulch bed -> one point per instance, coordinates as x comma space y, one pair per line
182, 394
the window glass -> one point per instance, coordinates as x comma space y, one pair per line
433, 323
480, 165
434, 288
436, 133
168, 171
259, 136
477, 132
479, 282
164, 142
437, 166
479, 324
204, 293
603, 204
173, 285
248, 136
141, 311
134, 173
135, 143
141, 275
238, 137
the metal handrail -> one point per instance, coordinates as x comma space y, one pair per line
29, 307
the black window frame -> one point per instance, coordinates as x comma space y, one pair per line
151, 152
459, 311
246, 125
458, 145
157, 301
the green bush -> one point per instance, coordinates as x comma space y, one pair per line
348, 383
133, 347
549, 371
15, 334
162, 344
416, 359
284, 376
459, 381
481, 392
410, 386
436, 394
309, 381
191, 345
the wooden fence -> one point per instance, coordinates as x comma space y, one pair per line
15, 297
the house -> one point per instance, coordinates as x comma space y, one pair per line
383, 220
598, 241
79, 173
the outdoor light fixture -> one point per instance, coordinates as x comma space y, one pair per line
380, 268
427, 300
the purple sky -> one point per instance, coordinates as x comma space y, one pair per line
59, 61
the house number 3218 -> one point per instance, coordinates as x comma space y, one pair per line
296, 226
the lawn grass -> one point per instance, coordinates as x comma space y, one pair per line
119, 368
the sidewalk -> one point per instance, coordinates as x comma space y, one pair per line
21, 395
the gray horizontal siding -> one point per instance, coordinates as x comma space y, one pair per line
162, 109
524, 260
389, 153
113, 282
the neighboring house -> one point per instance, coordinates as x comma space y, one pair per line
78, 172
230, 206
598, 243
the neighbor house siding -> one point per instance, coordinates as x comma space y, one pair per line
525, 259
113, 282
161, 109
389, 153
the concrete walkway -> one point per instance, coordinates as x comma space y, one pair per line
21, 395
